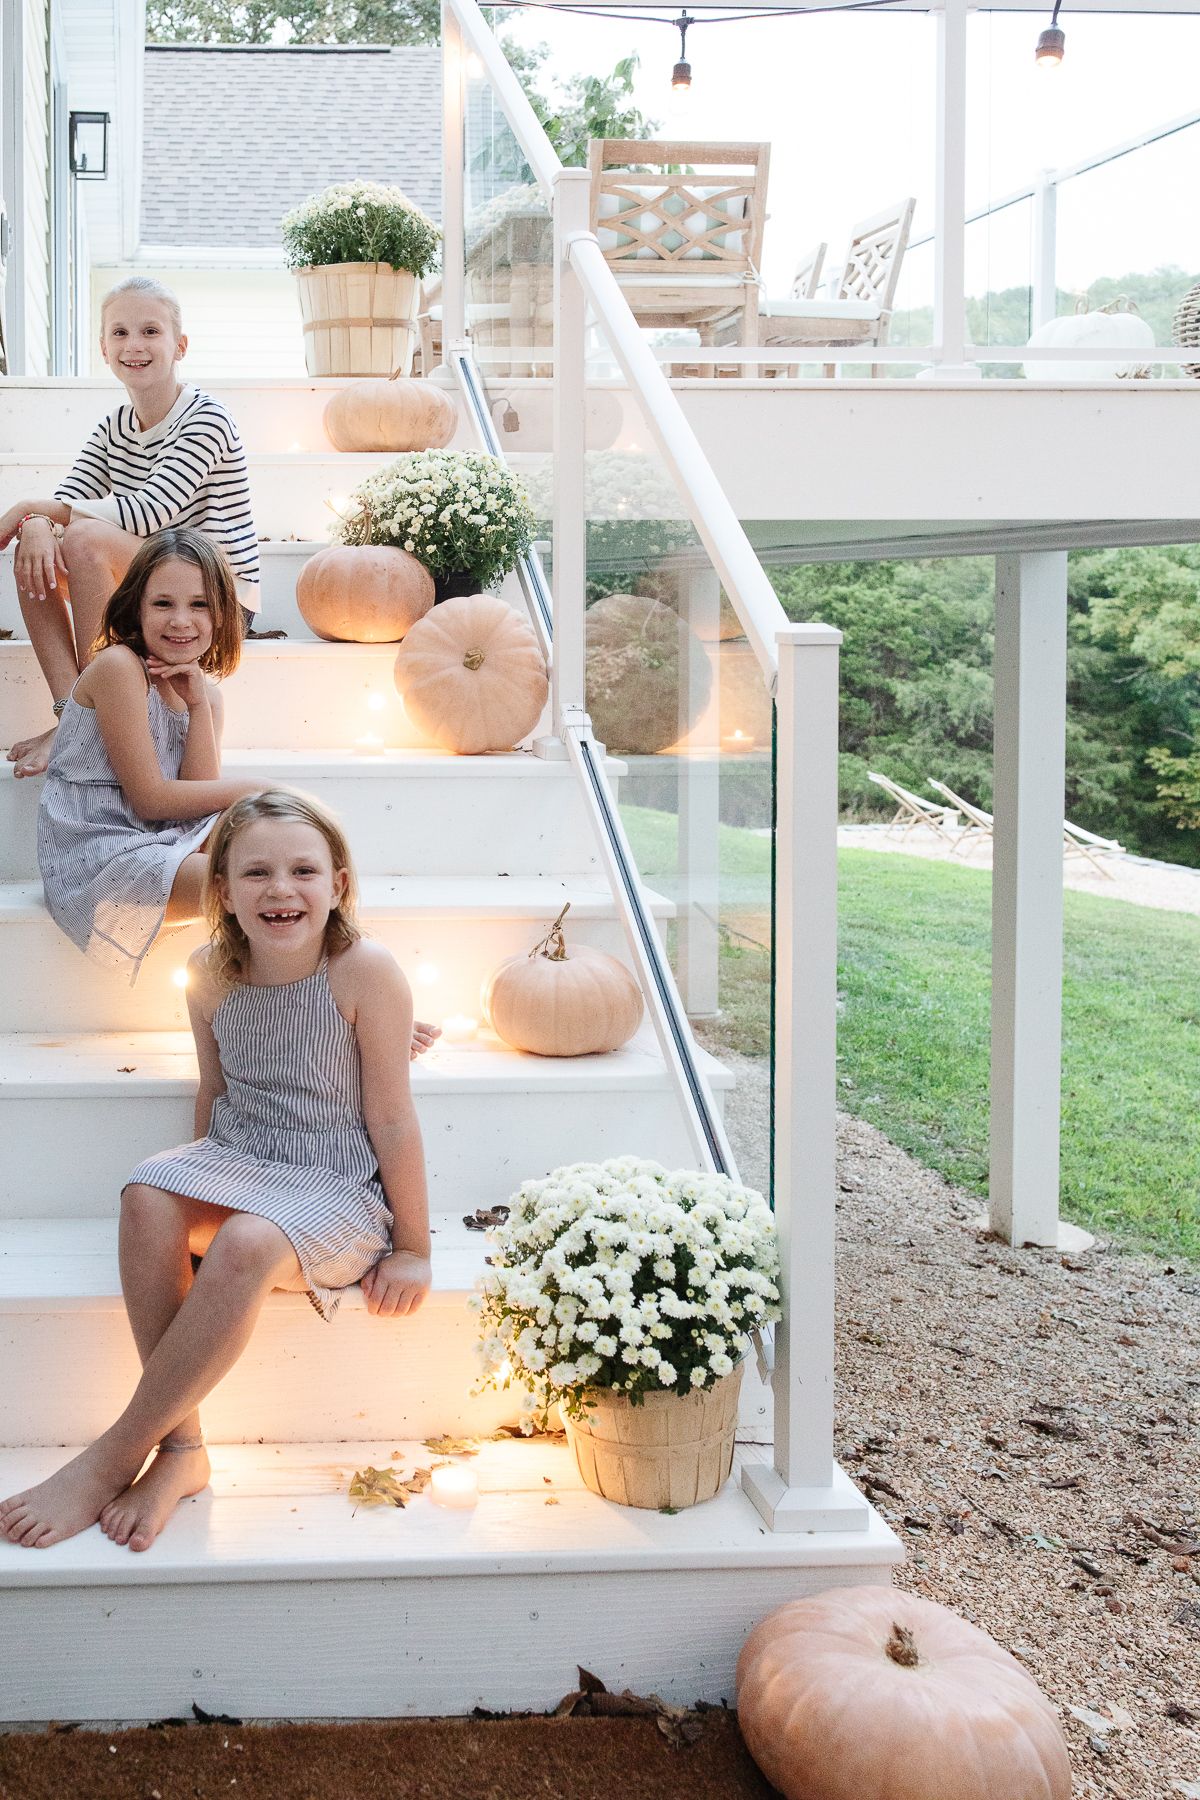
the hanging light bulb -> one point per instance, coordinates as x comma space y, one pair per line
1051, 43
681, 75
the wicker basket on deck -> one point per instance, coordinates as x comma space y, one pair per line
359, 318
669, 1451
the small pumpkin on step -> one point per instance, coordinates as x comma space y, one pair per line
557, 1001
472, 675
390, 414
363, 594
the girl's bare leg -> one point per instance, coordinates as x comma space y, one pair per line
97, 555
186, 902
247, 1257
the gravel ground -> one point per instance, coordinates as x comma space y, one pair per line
1168, 886
1027, 1423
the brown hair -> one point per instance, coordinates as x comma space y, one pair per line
226, 957
122, 621
147, 289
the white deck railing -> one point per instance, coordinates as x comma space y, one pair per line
803, 1490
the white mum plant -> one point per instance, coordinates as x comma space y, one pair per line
360, 221
621, 1275
451, 509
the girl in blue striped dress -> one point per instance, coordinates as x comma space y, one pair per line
169, 456
307, 1169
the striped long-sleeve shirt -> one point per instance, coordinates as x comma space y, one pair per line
189, 469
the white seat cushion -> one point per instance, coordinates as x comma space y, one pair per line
834, 310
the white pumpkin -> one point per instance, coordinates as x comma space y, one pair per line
1102, 330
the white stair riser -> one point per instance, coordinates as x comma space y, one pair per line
397, 821
310, 698
49, 986
280, 564
412, 1647
71, 1156
280, 418
299, 1379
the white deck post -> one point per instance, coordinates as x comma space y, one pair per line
804, 1491
1044, 298
453, 179
572, 200
950, 198
1027, 894
698, 896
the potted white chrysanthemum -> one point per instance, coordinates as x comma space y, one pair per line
359, 250
624, 1295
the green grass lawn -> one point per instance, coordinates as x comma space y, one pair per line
915, 979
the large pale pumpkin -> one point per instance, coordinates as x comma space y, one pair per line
648, 677
363, 594
867, 1693
472, 675
562, 1002
390, 415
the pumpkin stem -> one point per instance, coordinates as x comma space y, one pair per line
554, 944
901, 1647
473, 659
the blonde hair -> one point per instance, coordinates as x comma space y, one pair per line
229, 945
148, 289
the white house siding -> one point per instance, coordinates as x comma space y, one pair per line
104, 41
35, 208
239, 322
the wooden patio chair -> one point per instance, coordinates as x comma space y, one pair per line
1076, 841
911, 811
978, 823
861, 311
681, 227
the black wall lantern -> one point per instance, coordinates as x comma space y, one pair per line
89, 145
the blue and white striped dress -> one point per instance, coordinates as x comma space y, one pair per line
287, 1140
106, 873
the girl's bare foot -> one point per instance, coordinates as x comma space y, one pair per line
138, 1515
32, 755
70, 1501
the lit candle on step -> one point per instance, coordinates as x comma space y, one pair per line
454, 1485
737, 741
458, 1029
180, 977
370, 744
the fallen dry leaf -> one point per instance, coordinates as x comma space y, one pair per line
452, 1446
378, 1487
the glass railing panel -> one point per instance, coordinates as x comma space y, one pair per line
507, 242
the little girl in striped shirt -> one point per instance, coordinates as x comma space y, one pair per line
307, 1170
170, 456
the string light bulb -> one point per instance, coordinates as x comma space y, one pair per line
681, 74
1052, 43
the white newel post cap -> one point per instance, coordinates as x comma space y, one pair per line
805, 637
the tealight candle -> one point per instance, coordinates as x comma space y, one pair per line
370, 744
737, 741
454, 1485
458, 1029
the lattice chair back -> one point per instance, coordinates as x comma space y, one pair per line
657, 204
807, 278
876, 252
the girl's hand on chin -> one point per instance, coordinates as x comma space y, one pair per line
397, 1284
187, 679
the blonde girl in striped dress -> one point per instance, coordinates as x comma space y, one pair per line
307, 1170
168, 456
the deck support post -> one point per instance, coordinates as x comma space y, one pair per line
1027, 895
803, 1490
572, 201
699, 796
453, 180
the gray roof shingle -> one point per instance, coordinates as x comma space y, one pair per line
234, 136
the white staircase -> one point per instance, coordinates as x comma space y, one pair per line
269, 1595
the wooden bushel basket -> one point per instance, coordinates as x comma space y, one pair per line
359, 318
669, 1451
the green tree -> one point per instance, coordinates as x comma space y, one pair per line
293, 21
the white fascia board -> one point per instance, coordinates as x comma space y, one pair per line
209, 256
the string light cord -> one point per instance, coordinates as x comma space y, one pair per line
735, 18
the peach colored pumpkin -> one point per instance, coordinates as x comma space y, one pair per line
560, 1002
472, 675
363, 594
868, 1693
390, 415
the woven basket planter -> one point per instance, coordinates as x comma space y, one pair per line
669, 1451
1187, 327
359, 318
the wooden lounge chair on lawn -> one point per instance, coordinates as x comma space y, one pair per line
1076, 841
912, 811
978, 823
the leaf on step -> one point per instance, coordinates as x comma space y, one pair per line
452, 1446
262, 636
567, 1704
552, 1500
484, 1218
126, 1068
5, 633
207, 1718
418, 1481
378, 1487
680, 1733
591, 1684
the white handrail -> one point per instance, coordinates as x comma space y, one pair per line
526, 127
742, 576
